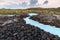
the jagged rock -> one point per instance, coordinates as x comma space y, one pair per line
47, 19
21, 31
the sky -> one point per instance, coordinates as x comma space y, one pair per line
20, 4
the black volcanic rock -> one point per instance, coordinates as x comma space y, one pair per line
25, 32
23, 16
18, 18
47, 19
19, 30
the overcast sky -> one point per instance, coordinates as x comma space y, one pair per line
29, 3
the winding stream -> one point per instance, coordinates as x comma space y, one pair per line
47, 28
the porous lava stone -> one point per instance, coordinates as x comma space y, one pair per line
21, 31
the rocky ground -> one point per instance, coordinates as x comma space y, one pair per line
53, 20
17, 29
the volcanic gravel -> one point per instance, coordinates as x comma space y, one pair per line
47, 20
21, 31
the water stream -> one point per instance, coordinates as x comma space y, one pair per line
47, 28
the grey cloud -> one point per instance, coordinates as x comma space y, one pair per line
45, 2
24, 4
33, 2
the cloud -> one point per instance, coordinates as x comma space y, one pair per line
33, 2
13, 3
45, 2
28, 3
50, 3
5, 2
54, 3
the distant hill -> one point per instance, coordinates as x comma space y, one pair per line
28, 10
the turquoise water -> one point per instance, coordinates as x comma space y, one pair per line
47, 28
9, 15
